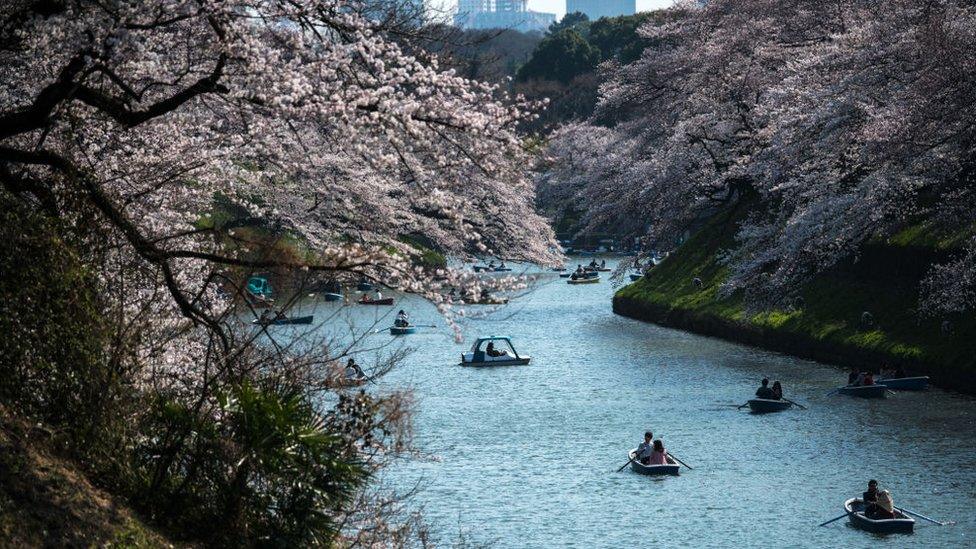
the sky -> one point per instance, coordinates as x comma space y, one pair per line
559, 6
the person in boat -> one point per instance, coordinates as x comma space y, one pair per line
265, 317
402, 321
492, 352
579, 269
764, 391
659, 456
885, 506
502, 264
379, 294
868, 379
366, 297
777, 390
603, 263
280, 316
645, 448
353, 371
899, 372
870, 498
853, 377
491, 264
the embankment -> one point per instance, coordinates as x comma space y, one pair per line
884, 280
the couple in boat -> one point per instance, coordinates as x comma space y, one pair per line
652, 453
774, 393
402, 320
878, 504
858, 378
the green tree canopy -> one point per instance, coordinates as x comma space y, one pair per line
561, 56
575, 20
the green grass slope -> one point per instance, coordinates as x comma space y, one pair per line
884, 280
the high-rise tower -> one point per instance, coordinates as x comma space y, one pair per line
595, 9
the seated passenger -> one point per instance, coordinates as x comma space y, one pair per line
885, 508
644, 449
777, 390
868, 379
899, 373
853, 376
490, 350
659, 456
765, 392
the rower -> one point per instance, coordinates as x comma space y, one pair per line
870, 498
402, 321
644, 449
379, 295
353, 371
777, 390
764, 391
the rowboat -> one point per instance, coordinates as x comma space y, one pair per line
919, 383
259, 286
635, 277
864, 391
402, 330
478, 355
364, 286
565, 275
559, 269
765, 405
901, 524
384, 301
584, 280
329, 296
283, 321
638, 467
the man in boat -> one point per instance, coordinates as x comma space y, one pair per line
353, 371
366, 297
764, 391
492, 352
265, 316
402, 321
644, 449
854, 377
870, 498
379, 294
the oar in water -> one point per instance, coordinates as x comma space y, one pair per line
921, 516
833, 519
834, 392
741, 406
797, 404
676, 458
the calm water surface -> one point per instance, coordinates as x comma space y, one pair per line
527, 455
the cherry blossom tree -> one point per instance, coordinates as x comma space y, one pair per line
839, 121
319, 119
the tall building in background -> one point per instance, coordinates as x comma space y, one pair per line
595, 9
501, 14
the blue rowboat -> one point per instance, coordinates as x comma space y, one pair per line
919, 383
864, 391
654, 470
364, 286
565, 275
402, 330
635, 277
284, 321
901, 524
329, 296
765, 405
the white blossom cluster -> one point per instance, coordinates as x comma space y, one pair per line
841, 121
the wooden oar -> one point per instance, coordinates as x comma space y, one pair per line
676, 458
833, 519
742, 406
628, 463
802, 407
834, 392
921, 516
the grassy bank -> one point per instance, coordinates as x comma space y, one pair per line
884, 281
